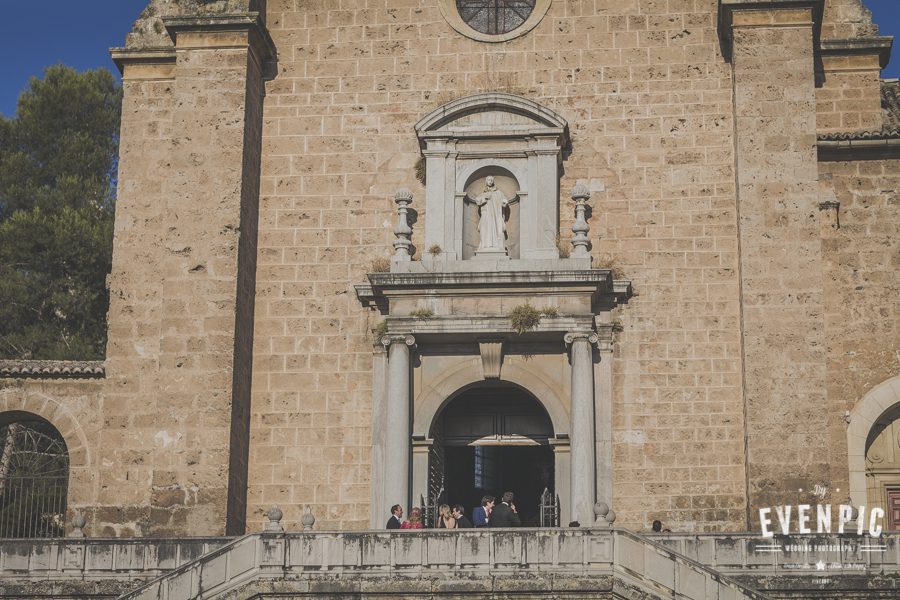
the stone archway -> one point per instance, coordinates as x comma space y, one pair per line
429, 403
57, 414
490, 438
874, 405
434, 399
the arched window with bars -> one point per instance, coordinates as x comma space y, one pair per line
34, 477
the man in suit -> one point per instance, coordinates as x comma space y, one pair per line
396, 512
504, 514
462, 521
482, 514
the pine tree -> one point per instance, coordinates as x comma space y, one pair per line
57, 196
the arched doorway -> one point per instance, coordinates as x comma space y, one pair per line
34, 477
883, 466
490, 439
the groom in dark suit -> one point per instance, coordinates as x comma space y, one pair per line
504, 514
396, 512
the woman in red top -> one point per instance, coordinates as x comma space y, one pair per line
415, 520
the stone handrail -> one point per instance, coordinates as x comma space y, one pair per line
644, 560
424, 562
97, 558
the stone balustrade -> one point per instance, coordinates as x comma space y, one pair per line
608, 563
97, 567
470, 563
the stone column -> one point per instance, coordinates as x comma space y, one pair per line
397, 426
582, 488
379, 510
603, 399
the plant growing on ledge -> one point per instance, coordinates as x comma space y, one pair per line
435, 250
380, 265
524, 318
422, 313
380, 330
420, 169
608, 262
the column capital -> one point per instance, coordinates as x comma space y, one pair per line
588, 336
398, 338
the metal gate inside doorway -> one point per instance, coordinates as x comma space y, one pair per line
489, 440
34, 474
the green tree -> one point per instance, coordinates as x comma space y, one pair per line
57, 198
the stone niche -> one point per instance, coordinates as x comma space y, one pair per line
519, 146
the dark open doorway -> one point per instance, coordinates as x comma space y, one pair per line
474, 471
488, 440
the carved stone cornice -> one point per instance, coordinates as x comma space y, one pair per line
52, 369
879, 46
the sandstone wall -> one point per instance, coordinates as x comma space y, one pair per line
648, 99
860, 278
168, 442
782, 294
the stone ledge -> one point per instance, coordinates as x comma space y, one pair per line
491, 265
478, 325
52, 369
727, 8
879, 45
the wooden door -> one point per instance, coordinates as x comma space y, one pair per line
894, 510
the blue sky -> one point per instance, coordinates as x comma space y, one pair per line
38, 33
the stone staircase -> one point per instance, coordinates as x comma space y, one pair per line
530, 563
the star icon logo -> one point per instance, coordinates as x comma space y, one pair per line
820, 566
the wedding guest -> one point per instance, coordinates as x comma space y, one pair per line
415, 519
462, 521
445, 519
395, 521
481, 515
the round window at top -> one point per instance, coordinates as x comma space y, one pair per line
493, 20
495, 17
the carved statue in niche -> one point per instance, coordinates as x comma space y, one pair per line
492, 222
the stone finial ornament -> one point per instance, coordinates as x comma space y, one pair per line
274, 515
78, 523
605, 515
308, 519
580, 228
403, 198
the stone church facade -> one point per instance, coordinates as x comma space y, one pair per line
683, 303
